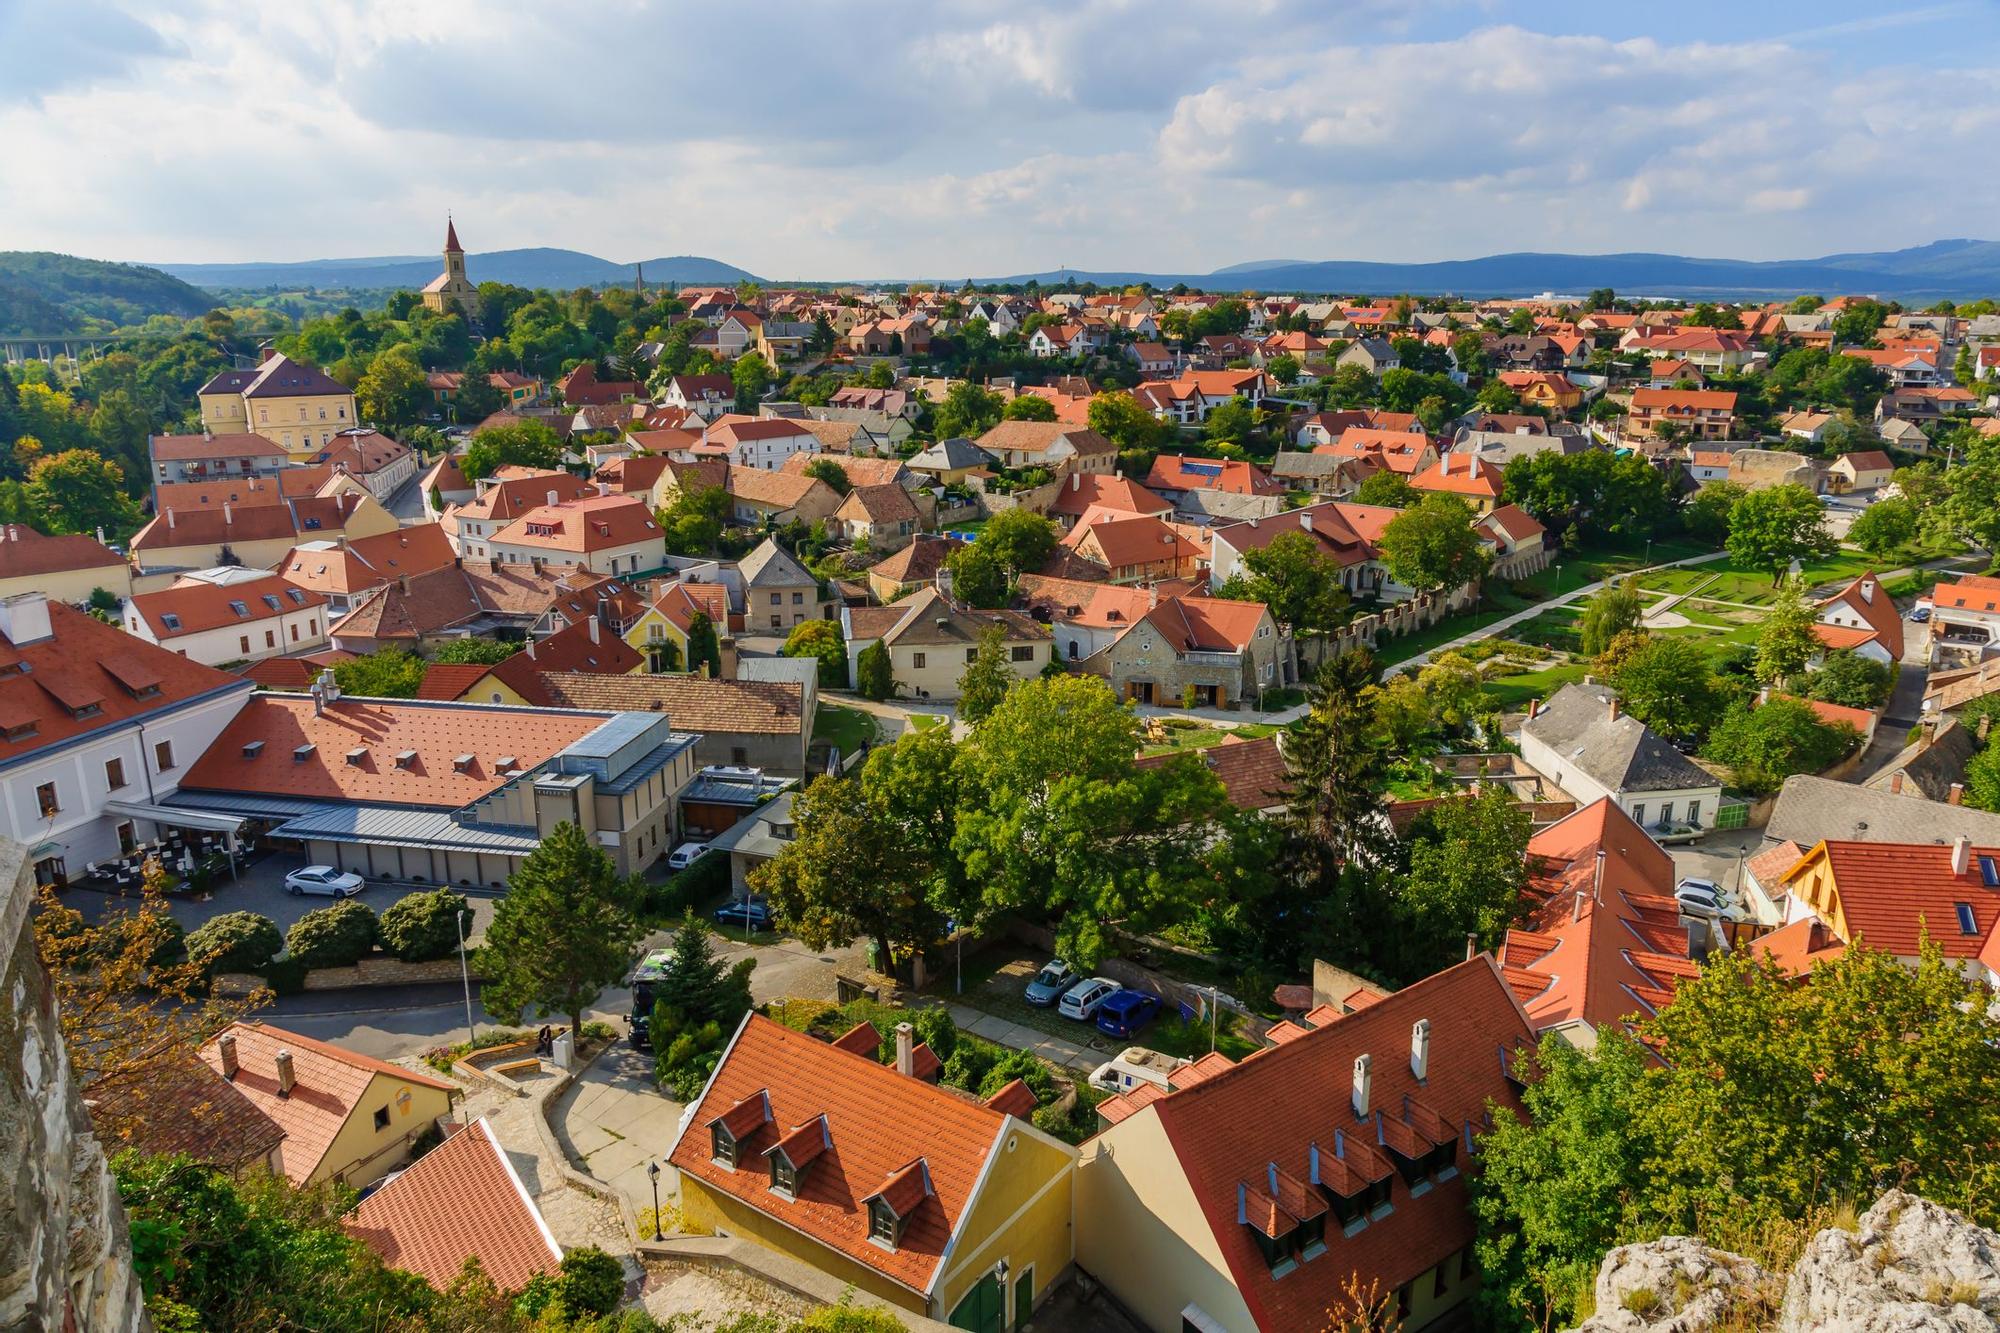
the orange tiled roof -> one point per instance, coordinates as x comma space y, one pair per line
1973, 592
513, 491
569, 649
446, 681
1797, 946
198, 605
1233, 476
1251, 772
1890, 893
461, 1200
593, 523
182, 496
869, 1124
368, 562
1866, 597
25, 552
1083, 491
692, 703
329, 1083
1129, 539
177, 1104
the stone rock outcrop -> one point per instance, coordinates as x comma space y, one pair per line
1910, 1266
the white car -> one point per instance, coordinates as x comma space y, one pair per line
324, 881
685, 855
1700, 896
1081, 1000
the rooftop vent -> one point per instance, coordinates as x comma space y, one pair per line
252, 749
406, 759
507, 761
462, 764
358, 755
303, 752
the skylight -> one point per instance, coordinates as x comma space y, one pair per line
1967, 923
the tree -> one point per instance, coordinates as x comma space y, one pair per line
1982, 777
1622, 498
518, 444
1028, 407
751, 376
699, 986
1232, 422
1667, 684
1765, 744
977, 576
830, 472
875, 675
386, 673
564, 930
78, 491
338, 935
1884, 526
1020, 539
1432, 545
1468, 871
1386, 488
1705, 516
820, 639
693, 523
1453, 691
476, 399
471, 651
704, 649
423, 927
1059, 823
843, 875
1298, 581
1851, 680
1607, 613
395, 390
1769, 529
1788, 639
234, 942
1857, 323
1283, 369
987, 676
119, 428
1119, 419
968, 410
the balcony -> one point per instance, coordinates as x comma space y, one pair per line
1211, 659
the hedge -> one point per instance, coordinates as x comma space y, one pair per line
336, 936
235, 942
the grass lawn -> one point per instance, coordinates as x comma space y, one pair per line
1511, 693
925, 721
1201, 737
845, 727
1579, 569
1402, 649
1726, 580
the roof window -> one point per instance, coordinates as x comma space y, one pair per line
303, 752
251, 749
1967, 923
239, 608
358, 755
170, 620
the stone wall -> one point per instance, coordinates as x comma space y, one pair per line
375, 970
1371, 630
65, 1257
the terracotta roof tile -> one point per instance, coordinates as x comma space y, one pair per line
570, 649
1252, 773
692, 703
177, 1104
592, 523
446, 681
197, 605
25, 552
1890, 893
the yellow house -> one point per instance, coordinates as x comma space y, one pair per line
257, 536
346, 1117
1542, 388
661, 630
65, 569
937, 1204
584, 646
295, 406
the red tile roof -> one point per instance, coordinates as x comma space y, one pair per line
1972, 592
462, 1200
446, 681
295, 672
593, 523
1867, 599
25, 552
513, 491
569, 649
204, 448
871, 1124
1799, 945
198, 605
1684, 400
351, 566
1207, 624
1454, 474
1231, 476
177, 1104
1890, 893
1083, 491
1127, 540
1251, 772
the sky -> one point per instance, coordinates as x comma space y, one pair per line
958, 138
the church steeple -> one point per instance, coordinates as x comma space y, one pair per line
451, 245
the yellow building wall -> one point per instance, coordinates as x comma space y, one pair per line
1815, 887
724, 1214
639, 636
72, 585
222, 413
206, 555
369, 519
944, 664
360, 1153
277, 418
490, 689
1023, 1215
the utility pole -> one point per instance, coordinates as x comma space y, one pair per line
464, 975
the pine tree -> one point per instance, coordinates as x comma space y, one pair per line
703, 648
875, 676
564, 931
696, 984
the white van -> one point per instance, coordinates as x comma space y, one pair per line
1133, 1066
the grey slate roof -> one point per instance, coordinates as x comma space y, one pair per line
952, 454
1621, 753
771, 566
1931, 771
1810, 809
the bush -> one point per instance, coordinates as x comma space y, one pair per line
668, 902
1025, 1066
285, 976
335, 936
936, 1030
171, 951
968, 1065
235, 942
423, 927
589, 1282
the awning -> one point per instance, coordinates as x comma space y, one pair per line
177, 816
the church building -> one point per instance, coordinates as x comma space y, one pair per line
451, 290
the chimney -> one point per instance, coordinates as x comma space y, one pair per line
1363, 1082
1471, 945
593, 629
286, 1079
225, 1046
170, 518
1589, 679
1305, 520
24, 618
403, 584
1896, 783
531, 650
1075, 481
1956, 796
1576, 912
1420, 1048
906, 1050
1534, 708
1985, 724
1597, 880
554, 498
225, 512
1961, 848
1612, 705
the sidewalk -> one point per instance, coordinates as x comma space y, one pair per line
1058, 1051
613, 1122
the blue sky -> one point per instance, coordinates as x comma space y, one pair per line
806, 138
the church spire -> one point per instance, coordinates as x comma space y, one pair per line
451, 245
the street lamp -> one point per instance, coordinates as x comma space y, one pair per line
464, 973
653, 1174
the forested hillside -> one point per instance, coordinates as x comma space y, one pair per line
43, 292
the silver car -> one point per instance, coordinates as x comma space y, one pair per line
324, 881
1081, 1000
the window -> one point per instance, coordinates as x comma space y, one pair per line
1465, 1263
777, 599
798, 599
917, 661
738, 755
784, 1176
381, 1117
1666, 813
270, 639
1967, 923
1639, 815
883, 1224
1989, 872
1024, 653
722, 1146
45, 800
1438, 1279
1694, 813
295, 634
163, 756
777, 620
114, 773
243, 644
1072, 650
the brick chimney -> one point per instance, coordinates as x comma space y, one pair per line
1534, 708
225, 1046
1612, 706
906, 1050
287, 1080
1896, 783
1471, 945
1957, 796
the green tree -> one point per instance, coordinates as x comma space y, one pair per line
843, 874
423, 927
1119, 418
1858, 322
697, 985
1769, 529
477, 399
518, 444
1233, 422
1060, 823
704, 648
1706, 514
830, 472
1970, 505
119, 428
1453, 691
395, 390
1468, 872
1610, 611
234, 942
1283, 369
1020, 539
1028, 407
1766, 744
1433, 546
987, 676
968, 410
1851, 680
875, 675
334, 936
1386, 488
1982, 777
1788, 639
471, 651
977, 576
1298, 581
1667, 683
1620, 498
387, 673
820, 639
919, 785
564, 930
693, 523
78, 491
751, 376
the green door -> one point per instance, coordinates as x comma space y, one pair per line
1024, 1297
983, 1309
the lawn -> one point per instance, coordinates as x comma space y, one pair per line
844, 727
925, 721
1200, 737
1511, 693
1726, 580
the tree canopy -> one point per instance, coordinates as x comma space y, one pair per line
1771, 528
1433, 546
564, 930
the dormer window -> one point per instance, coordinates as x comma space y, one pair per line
171, 621
239, 608
883, 1224
784, 1176
722, 1145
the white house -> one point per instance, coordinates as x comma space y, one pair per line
606, 534
228, 615
1585, 744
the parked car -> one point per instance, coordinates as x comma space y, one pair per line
324, 881
752, 913
1133, 1066
1081, 1000
685, 855
1920, 614
1123, 1013
1055, 977
1700, 896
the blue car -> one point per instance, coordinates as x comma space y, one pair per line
744, 913
1124, 1012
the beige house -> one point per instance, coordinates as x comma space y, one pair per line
931, 640
1203, 652
881, 518
259, 536
64, 569
1868, 470
228, 615
1060, 448
293, 405
606, 534
758, 496
778, 591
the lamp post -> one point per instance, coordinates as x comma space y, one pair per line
653, 1174
464, 974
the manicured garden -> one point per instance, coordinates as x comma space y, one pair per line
845, 727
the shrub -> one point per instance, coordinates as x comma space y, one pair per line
967, 1066
335, 936
706, 879
235, 942
422, 927
1024, 1066
285, 976
172, 948
936, 1030
589, 1282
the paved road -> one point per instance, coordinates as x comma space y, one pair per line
1905, 707
407, 504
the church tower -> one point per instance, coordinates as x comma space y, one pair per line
452, 290
454, 253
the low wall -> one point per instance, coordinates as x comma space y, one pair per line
378, 970
1368, 631
766, 1273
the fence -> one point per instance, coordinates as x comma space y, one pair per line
1732, 815
1367, 631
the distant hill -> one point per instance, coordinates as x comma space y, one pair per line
1955, 269
541, 267
44, 292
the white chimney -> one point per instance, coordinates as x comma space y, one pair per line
906, 1050
1076, 481
24, 618
1306, 520
1420, 1048
1363, 1083
1961, 854
1597, 881
286, 1079
170, 518
531, 650
554, 498
593, 629
225, 1046
225, 511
